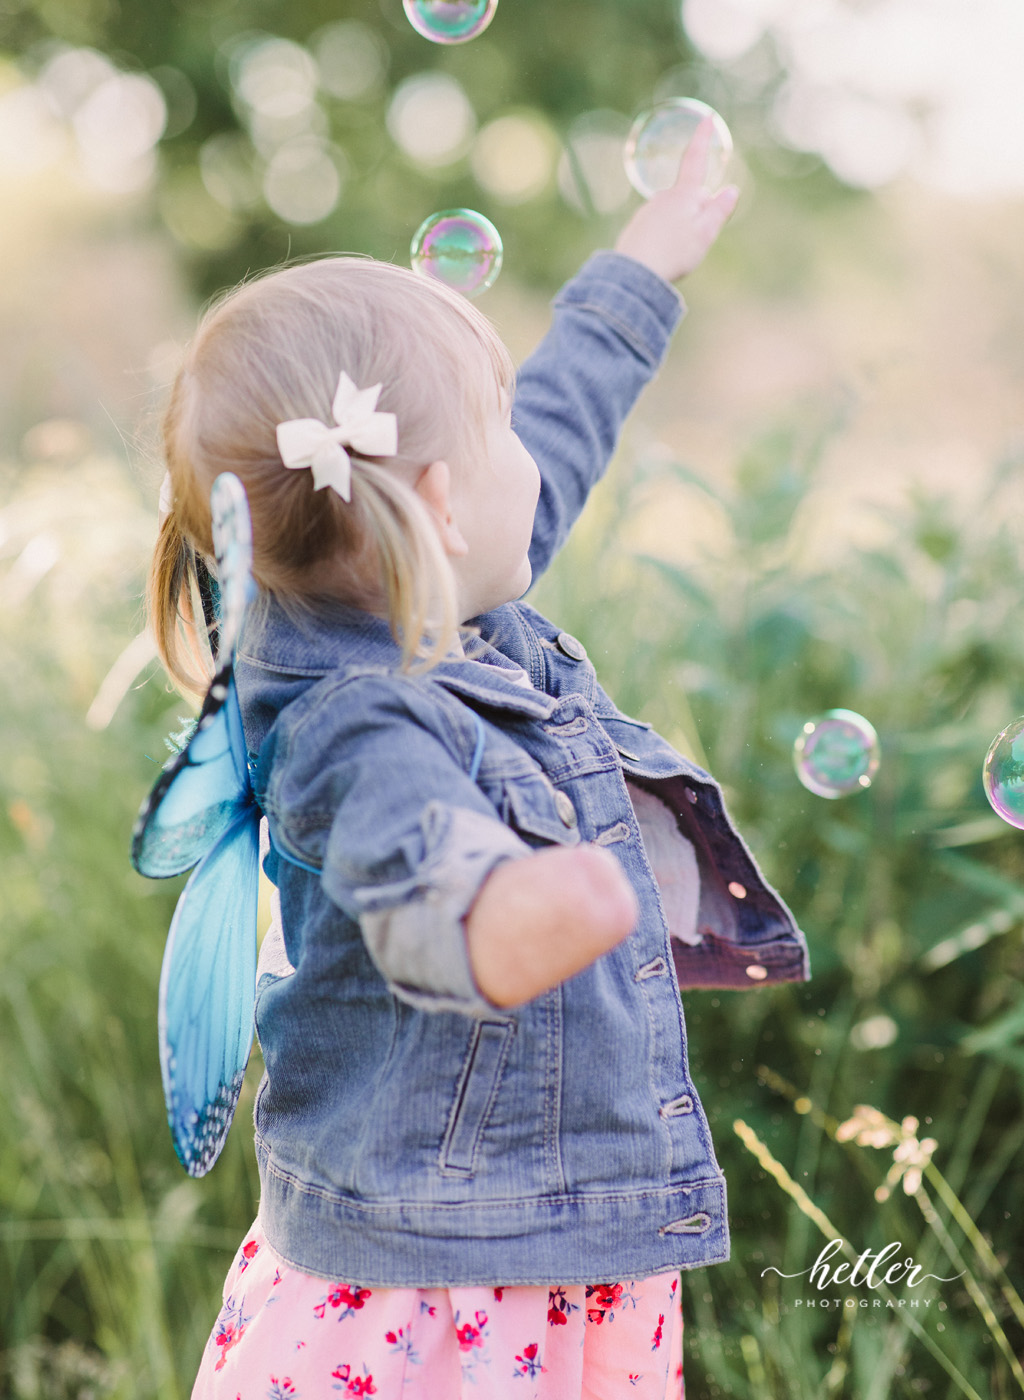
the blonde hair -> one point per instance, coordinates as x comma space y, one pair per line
271, 351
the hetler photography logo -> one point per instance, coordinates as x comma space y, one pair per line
875, 1272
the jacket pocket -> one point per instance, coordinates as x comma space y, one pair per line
535, 808
475, 1093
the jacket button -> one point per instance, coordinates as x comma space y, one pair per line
565, 809
572, 648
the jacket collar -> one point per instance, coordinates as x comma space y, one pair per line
339, 638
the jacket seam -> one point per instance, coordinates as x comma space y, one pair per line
627, 333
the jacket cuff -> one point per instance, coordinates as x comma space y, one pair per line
413, 929
636, 302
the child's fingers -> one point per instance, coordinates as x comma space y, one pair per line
693, 167
724, 202
715, 213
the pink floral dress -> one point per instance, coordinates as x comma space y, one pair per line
285, 1335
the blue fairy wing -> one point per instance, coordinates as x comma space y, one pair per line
232, 542
207, 989
199, 793
202, 813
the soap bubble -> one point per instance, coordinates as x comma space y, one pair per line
460, 248
659, 138
450, 21
836, 754
1003, 774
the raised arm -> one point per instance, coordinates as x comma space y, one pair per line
611, 327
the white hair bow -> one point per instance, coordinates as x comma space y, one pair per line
306, 442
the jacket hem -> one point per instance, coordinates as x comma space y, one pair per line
581, 1238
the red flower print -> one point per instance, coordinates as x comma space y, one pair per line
604, 1299
355, 1386
281, 1390
250, 1249
344, 1297
470, 1336
497, 1294
529, 1365
351, 1297
657, 1332
559, 1307
400, 1341
228, 1337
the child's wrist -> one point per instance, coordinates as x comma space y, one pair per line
651, 262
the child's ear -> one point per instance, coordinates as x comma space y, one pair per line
434, 488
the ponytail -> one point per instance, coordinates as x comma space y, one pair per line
172, 593
413, 566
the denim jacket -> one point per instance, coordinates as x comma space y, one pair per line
408, 1132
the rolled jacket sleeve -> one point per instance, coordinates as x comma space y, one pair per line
414, 930
611, 328
369, 786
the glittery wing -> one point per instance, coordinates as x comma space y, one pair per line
202, 813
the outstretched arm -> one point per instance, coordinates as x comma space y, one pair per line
611, 328
672, 233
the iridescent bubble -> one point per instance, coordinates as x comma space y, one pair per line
460, 248
450, 21
836, 754
658, 139
1003, 774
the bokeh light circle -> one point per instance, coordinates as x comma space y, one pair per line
836, 754
659, 138
431, 119
449, 21
1002, 773
460, 248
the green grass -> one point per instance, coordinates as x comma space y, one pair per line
911, 893
110, 1259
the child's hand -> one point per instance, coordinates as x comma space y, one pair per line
673, 231
539, 920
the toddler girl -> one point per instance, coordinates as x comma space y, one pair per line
483, 1161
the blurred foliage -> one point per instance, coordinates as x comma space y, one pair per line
111, 1261
906, 891
109, 1258
578, 71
